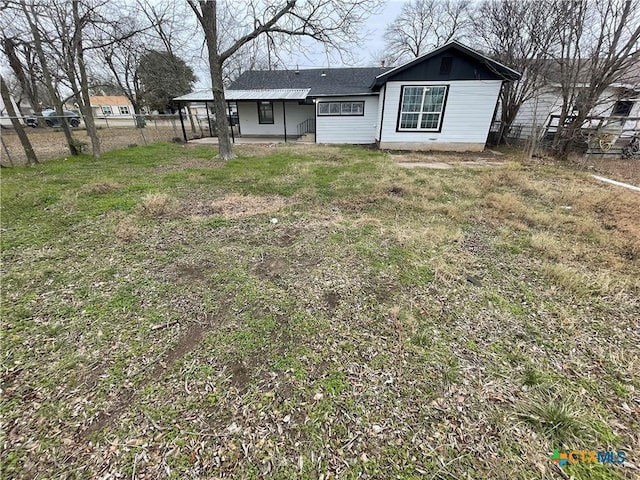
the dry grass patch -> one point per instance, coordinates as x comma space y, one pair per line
100, 188
233, 205
127, 229
588, 283
549, 245
158, 204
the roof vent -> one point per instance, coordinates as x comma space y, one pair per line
297, 69
323, 74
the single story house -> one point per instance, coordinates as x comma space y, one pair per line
111, 106
443, 100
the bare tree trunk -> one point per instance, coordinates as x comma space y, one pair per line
46, 75
84, 85
209, 24
25, 82
15, 121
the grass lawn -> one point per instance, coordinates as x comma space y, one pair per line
315, 312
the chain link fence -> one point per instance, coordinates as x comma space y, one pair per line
606, 146
115, 132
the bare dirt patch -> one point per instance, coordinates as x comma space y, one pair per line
619, 169
270, 267
186, 343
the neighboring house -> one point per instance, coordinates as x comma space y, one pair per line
443, 100
111, 106
620, 99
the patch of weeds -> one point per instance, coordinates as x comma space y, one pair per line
532, 377
216, 223
621, 390
423, 338
472, 345
560, 419
450, 371
291, 361
334, 383
505, 305
589, 471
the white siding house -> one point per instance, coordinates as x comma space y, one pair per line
538, 110
250, 122
443, 100
466, 117
346, 124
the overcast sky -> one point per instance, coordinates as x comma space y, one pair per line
372, 41
315, 57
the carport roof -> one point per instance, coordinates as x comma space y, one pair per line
254, 94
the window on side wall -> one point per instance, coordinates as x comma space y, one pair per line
124, 110
107, 110
622, 108
340, 109
265, 112
422, 108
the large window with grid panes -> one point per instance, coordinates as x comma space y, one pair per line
422, 108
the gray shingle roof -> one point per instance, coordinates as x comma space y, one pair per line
337, 81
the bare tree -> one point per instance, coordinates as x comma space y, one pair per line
599, 43
426, 24
519, 35
17, 124
33, 15
122, 60
23, 63
331, 22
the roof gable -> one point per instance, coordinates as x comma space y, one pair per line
466, 64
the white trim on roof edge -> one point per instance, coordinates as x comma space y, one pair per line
255, 94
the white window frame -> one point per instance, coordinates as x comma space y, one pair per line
340, 109
106, 110
123, 109
440, 112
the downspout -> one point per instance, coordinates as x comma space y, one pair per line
315, 119
384, 95
284, 118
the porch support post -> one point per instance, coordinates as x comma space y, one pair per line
206, 106
184, 132
284, 118
233, 138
